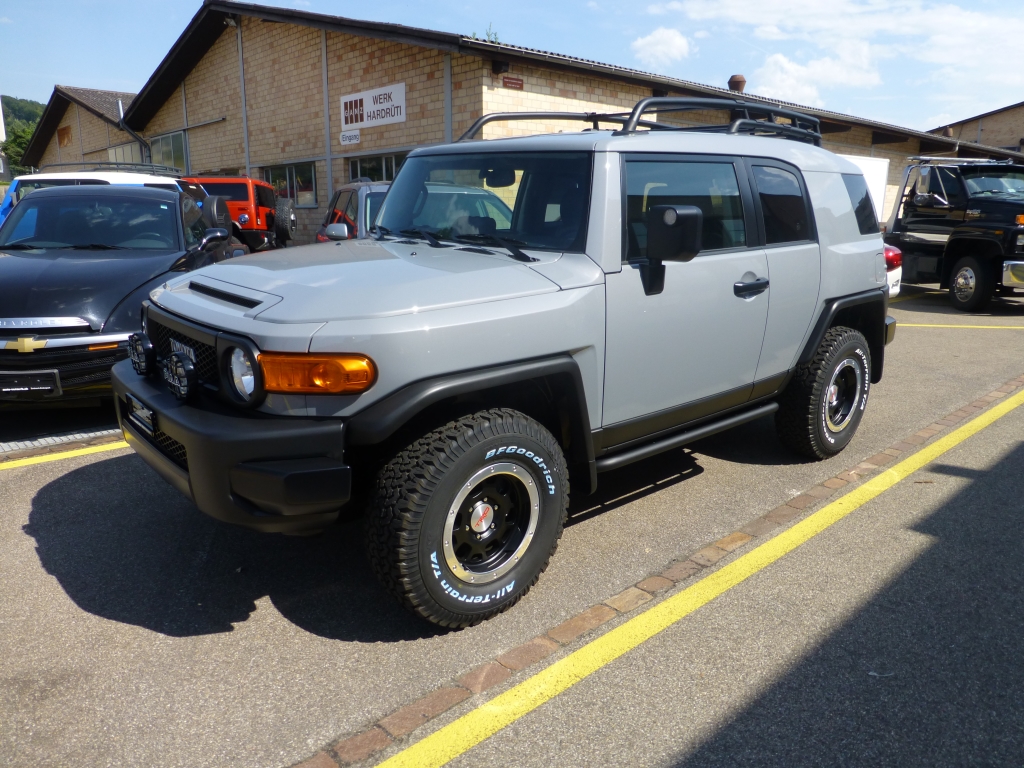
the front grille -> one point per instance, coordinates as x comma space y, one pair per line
75, 365
206, 354
171, 448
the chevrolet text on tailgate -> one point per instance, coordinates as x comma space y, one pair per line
530, 313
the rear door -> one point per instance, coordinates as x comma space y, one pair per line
786, 226
691, 349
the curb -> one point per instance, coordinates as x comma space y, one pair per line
58, 444
385, 731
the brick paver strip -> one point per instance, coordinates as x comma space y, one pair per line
733, 541
360, 746
628, 599
708, 555
681, 571
488, 675
569, 630
759, 527
655, 584
526, 654
485, 676
412, 716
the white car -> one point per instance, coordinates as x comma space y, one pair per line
893, 269
23, 185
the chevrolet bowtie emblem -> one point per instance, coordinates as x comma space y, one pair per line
26, 344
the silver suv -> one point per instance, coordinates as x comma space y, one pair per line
649, 286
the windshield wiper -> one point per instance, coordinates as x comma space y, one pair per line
512, 246
95, 247
427, 235
381, 231
21, 247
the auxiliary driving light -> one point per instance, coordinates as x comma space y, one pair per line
142, 353
181, 375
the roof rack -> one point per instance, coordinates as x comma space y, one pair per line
743, 115
156, 170
961, 160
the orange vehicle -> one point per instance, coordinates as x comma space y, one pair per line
252, 205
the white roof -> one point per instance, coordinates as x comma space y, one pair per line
111, 177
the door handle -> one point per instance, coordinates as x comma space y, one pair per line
753, 288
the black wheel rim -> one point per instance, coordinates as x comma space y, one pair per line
843, 392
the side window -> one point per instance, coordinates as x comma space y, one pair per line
782, 205
863, 210
712, 187
952, 191
352, 214
192, 218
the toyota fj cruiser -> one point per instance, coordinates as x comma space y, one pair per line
652, 286
960, 223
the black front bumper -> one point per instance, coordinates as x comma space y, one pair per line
274, 474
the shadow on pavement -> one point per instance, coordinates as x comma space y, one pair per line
633, 482
18, 422
928, 673
752, 443
125, 546
930, 300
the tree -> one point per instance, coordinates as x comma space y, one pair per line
19, 133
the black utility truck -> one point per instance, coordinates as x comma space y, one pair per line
960, 223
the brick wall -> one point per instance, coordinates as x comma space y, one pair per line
1003, 129
212, 91
170, 117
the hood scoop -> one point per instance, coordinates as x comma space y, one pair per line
200, 291
217, 293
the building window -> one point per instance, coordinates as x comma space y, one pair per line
294, 182
381, 168
170, 150
125, 153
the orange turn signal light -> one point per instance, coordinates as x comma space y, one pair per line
317, 374
1020, 218
98, 347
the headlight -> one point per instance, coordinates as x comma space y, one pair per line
317, 374
142, 353
243, 373
243, 219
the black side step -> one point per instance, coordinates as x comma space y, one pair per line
608, 463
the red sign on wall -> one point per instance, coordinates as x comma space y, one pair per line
515, 83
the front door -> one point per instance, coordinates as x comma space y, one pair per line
926, 228
693, 348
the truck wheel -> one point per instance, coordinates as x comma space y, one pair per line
465, 519
820, 410
970, 285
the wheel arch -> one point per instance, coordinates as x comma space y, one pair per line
549, 390
958, 247
864, 312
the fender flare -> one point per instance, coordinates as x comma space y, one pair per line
379, 421
872, 306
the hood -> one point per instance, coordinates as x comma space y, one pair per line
89, 284
358, 279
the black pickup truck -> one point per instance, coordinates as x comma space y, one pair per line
960, 223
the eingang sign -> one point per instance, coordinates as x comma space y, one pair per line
381, 106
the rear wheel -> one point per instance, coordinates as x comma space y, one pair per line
464, 520
822, 407
971, 285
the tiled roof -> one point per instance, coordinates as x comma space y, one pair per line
103, 103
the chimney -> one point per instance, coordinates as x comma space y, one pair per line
737, 83
948, 131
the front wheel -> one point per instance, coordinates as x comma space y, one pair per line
464, 520
822, 407
970, 285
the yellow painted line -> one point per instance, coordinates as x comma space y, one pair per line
940, 325
45, 459
486, 720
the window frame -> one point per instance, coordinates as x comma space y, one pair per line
771, 162
290, 185
754, 234
184, 148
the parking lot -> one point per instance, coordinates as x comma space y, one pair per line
137, 631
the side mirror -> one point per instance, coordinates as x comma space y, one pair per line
214, 238
337, 232
673, 234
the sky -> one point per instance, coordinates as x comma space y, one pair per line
914, 63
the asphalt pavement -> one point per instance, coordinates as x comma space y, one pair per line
139, 632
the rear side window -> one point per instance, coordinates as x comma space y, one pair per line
862, 206
234, 191
265, 197
712, 187
782, 205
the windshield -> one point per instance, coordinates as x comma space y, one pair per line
87, 222
230, 190
25, 187
987, 182
533, 200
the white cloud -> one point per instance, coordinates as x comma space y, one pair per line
5, 20
661, 48
593, 6
701, 34
782, 78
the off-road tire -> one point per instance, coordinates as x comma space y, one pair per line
984, 285
416, 490
802, 421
